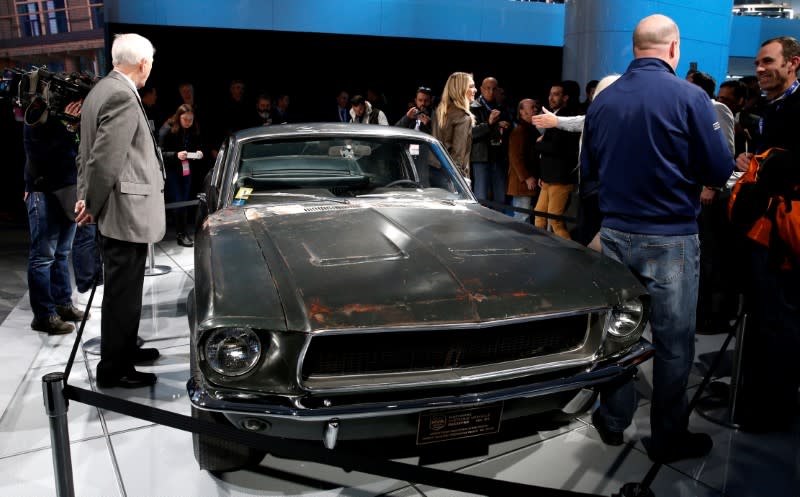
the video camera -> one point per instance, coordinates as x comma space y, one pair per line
42, 93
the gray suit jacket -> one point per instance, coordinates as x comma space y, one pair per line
120, 171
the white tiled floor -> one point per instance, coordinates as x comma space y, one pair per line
113, 454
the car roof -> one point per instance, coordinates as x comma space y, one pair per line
298, 130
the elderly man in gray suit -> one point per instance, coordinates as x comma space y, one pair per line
121, 184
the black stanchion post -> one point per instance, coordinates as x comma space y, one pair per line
55, 405
723, 410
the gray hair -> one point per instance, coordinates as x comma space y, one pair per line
129, 49
605, 82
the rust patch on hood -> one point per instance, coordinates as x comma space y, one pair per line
318, 311
353, 308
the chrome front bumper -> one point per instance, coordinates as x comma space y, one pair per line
398, 418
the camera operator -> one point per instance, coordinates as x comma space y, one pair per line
50, 179
419, 116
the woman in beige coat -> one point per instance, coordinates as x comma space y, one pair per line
454, 122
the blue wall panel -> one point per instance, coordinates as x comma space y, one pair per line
141, 12
598, 35
323, 16
745, 36
771, 28
595, 34
436, 19
496, 21
528, 23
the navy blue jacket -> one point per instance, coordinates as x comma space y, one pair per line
651, 140
51, 152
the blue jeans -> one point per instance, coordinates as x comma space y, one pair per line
48, 261
176, 189
522, 202
669, 266
492, 175
86, 260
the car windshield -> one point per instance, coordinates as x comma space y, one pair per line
274, 170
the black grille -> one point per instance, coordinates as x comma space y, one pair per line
408, 351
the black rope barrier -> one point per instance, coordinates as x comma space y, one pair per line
315, 452
499, 206
178, 205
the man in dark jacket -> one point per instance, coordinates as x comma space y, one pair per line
419, 115
770, 371
651, 152
489, 153
50, 176
558, 168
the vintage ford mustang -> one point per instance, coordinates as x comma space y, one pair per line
349, 286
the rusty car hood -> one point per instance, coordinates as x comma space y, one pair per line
401, 263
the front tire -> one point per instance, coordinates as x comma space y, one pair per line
217, 455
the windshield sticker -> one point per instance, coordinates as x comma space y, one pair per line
244, 192
242, 195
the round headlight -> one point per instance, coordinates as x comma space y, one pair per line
232, 351
626, 318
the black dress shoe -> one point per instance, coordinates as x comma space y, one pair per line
145, 355
685, 446
184, 240
607, 436
132, 379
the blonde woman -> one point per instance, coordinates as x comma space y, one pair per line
454, 122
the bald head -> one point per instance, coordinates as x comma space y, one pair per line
526, 109
654, 32
489, 89
657, 36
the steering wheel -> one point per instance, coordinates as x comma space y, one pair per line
397, 182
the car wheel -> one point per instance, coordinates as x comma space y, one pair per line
217, 455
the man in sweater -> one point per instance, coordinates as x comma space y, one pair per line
651, 152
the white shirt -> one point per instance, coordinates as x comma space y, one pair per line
129, 81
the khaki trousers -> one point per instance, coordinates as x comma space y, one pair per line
553, 200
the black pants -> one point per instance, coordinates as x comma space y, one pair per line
589, 219
720, 254
767, 397
123, 266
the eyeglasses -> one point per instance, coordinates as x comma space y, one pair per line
424, 89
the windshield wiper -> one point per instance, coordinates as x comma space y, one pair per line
301, 195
